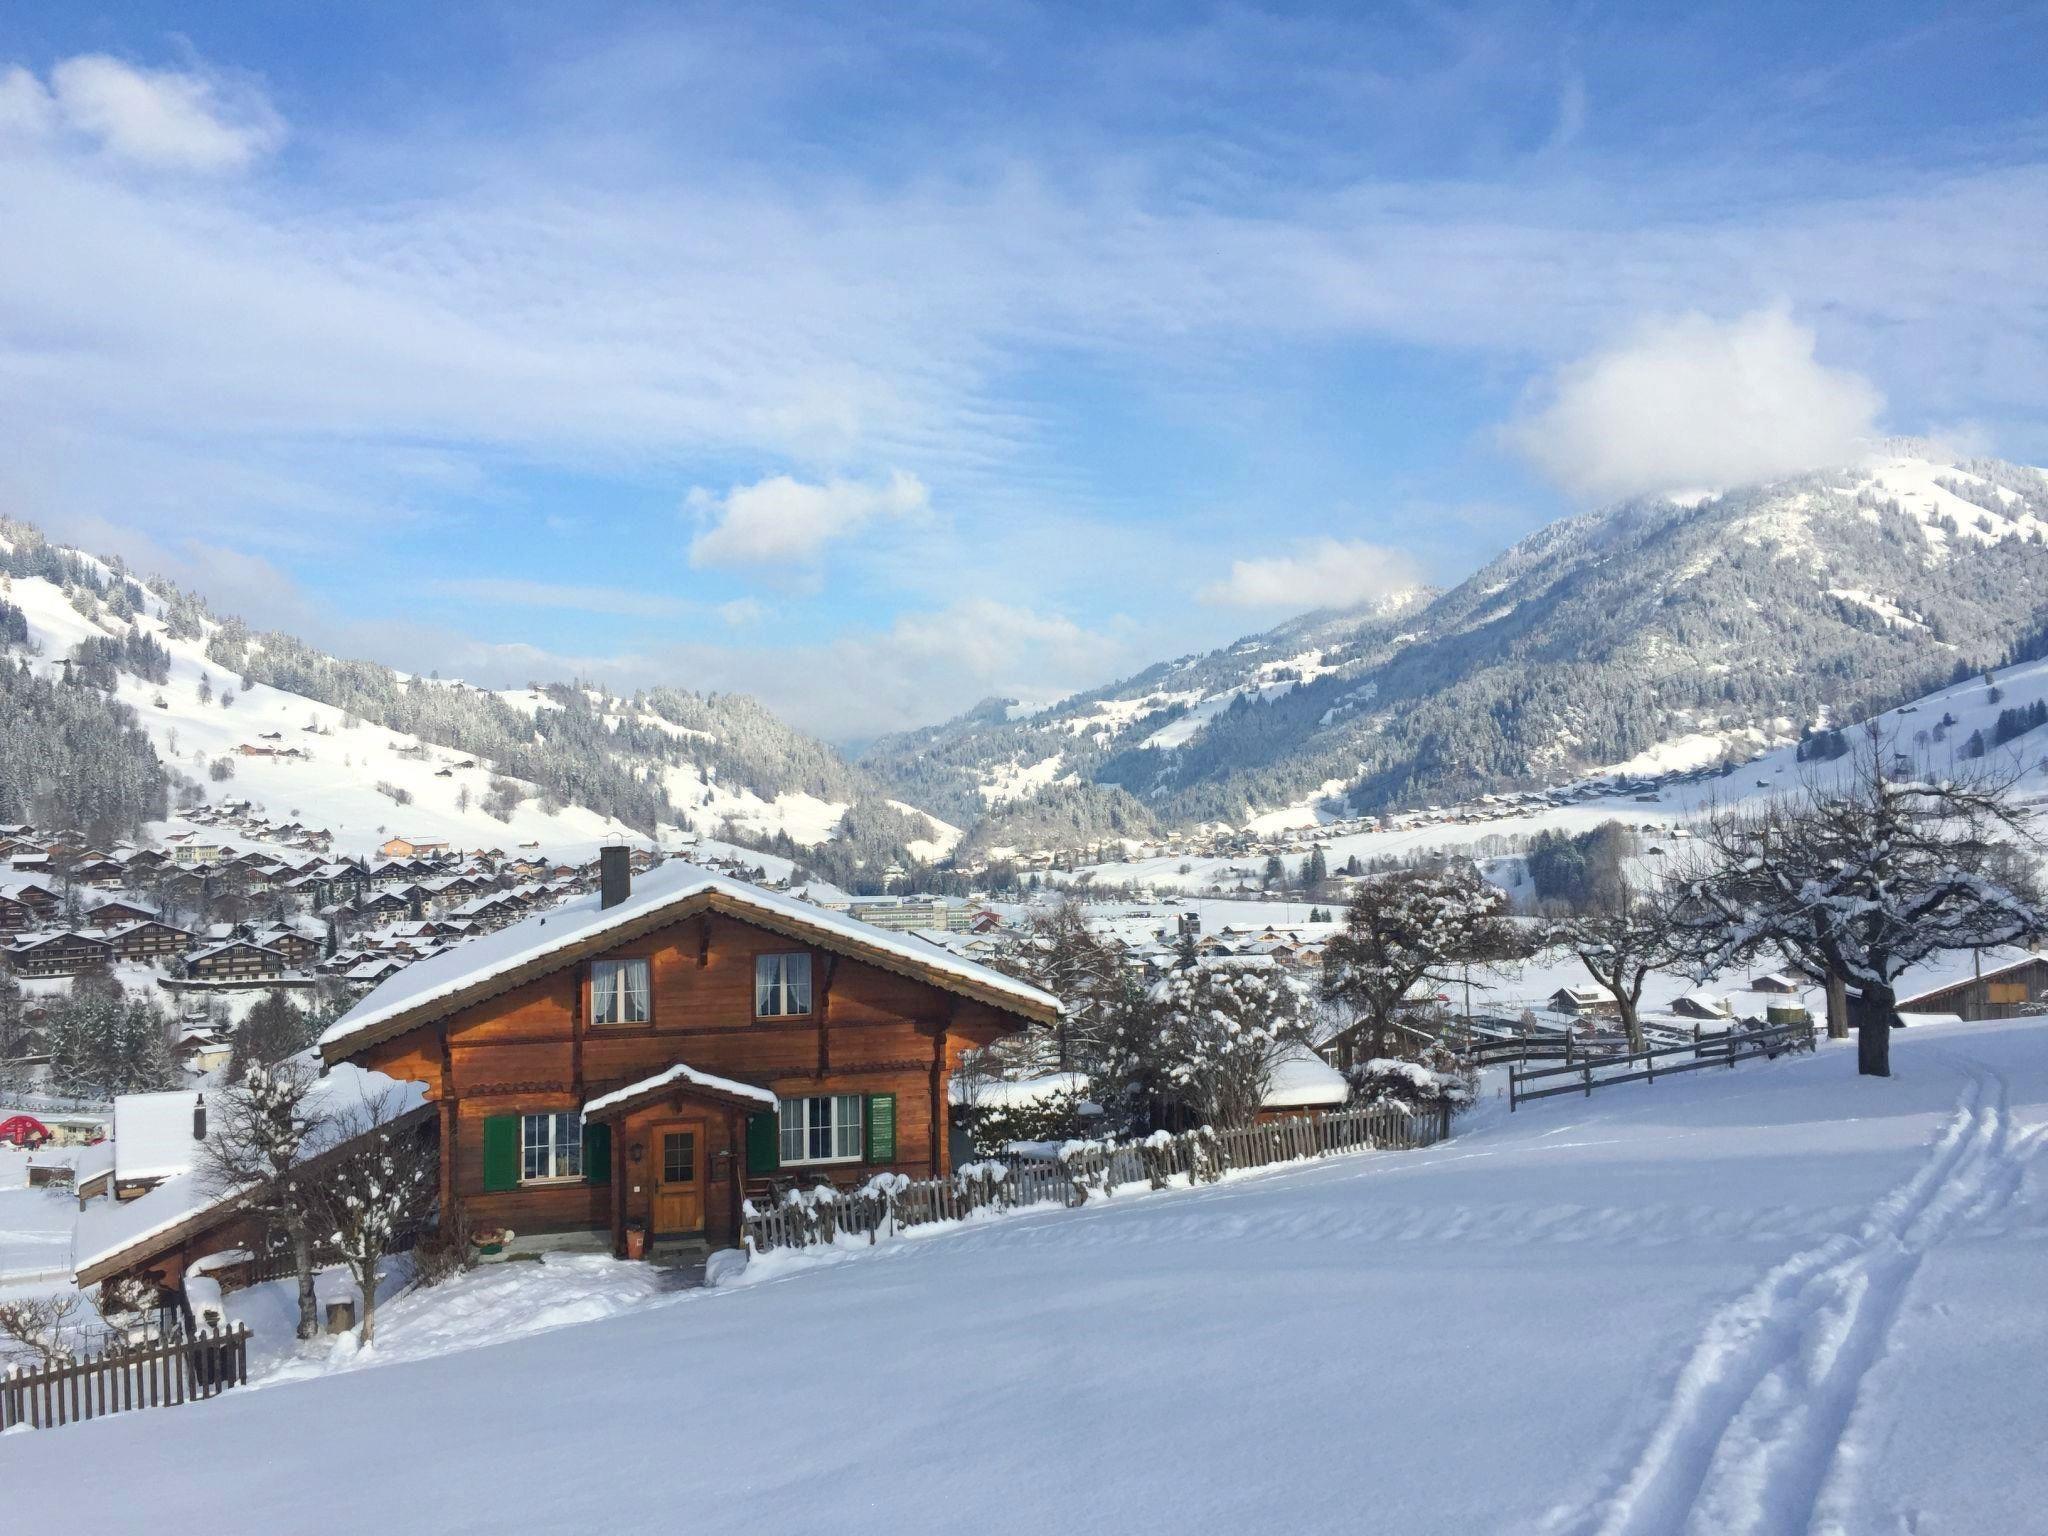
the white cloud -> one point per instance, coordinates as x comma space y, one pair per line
1692, 402
181, 120
1319, 573
784, 521
26, 110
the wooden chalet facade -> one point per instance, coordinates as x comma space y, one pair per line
15, 914
725, 1039
2001, 992
236, 960
59, 954
150, 940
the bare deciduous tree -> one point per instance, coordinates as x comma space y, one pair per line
261, 1131
1863, 875
378, 1183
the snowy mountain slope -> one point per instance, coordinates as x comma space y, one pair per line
1782, 1298
368, 752
350, 775
1935, 734
1654, 634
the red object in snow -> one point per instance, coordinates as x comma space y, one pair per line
24, 1131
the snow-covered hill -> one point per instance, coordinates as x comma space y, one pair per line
1935, 734
306, 738
1781, 1298
1656, 635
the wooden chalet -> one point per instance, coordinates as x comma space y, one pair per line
1999, 989
15, 914
299, 950
236, 960
117, 913
59, 954
650, 1057
152, 939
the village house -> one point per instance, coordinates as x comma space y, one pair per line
634, 1065
235, 960
412, 848
58, 954
716, 1037
2001, 984
152, 939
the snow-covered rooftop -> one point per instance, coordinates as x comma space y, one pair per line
107, 1227
1301, 1079
574, 922
153, 1134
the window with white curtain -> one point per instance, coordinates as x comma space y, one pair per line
782, 985
618, 992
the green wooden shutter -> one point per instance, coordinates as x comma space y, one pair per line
764, 1143
501, 1152
597, 1153
881, 1137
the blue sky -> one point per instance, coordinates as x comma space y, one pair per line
875, 363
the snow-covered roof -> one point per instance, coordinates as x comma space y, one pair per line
153, 1134
1301, 1079
443, 979
107, 1229
676, 1075
1954, 967
1021, 1094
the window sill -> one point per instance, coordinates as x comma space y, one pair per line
564, 1181
824, 1162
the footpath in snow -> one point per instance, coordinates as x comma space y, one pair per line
1780, 1299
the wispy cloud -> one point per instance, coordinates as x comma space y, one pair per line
518, 592
1319, 573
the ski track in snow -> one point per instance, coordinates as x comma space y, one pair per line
1761, 1436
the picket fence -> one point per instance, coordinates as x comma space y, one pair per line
158, 1375
1077, 1173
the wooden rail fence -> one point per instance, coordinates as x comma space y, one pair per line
1722, 1050
1081, 1172
122, 1379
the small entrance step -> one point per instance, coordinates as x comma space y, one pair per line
681, 1259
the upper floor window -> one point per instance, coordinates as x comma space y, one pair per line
782, 985
618, 992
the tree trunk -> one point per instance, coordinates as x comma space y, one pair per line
302, 1258
1632, 1025
1838, 1008
366, 1282
1873, 1013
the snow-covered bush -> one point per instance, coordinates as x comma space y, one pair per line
1413, 1085
993, 1126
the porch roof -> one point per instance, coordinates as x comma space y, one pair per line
680, 1077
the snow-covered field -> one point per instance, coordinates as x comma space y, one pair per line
35, 1227
1778, 1299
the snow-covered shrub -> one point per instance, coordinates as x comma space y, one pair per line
991, 1127
1413, 1086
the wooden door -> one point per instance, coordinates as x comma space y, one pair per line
679, 1153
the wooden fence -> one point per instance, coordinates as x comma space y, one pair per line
1080, 1172
122, 1379
1722, 1050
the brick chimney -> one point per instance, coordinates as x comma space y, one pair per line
614, 875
